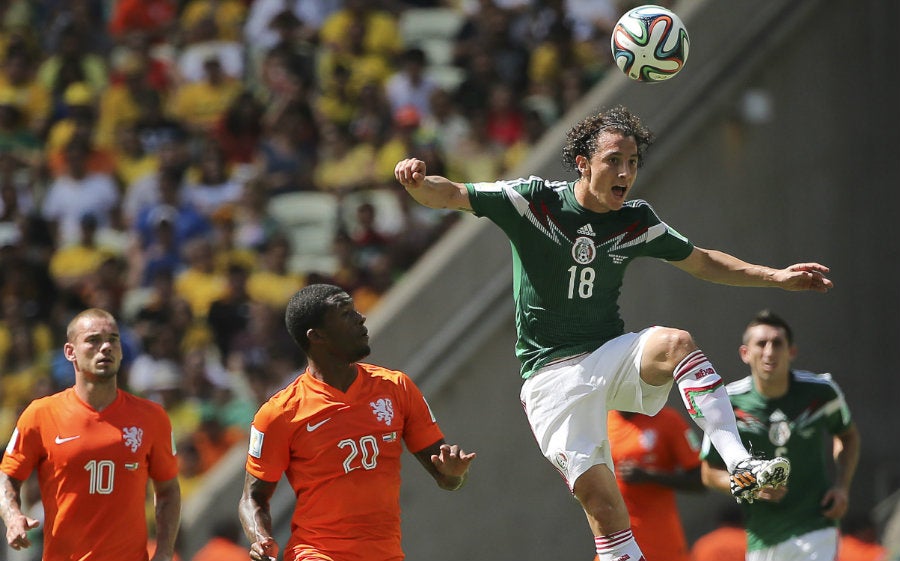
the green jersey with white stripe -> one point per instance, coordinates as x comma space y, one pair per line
569, 262
791, 426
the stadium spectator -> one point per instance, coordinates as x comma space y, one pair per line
203, 42
411, 85
17, 81
78, 192
210, 184
200, 283
229, 315
273, 283
199, 105
155, 18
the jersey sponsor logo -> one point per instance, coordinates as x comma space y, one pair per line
586, 230
584, 251
133, 436
256, 442
383, 410
313, 426
60, 440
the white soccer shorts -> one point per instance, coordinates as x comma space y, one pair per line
818, 545
566, 402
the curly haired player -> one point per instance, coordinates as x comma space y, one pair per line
571, 243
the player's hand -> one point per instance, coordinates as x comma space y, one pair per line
410, 173
17, 532
804, 276
452, 461
834, 504
264, 549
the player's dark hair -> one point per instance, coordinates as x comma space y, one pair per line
581, 139
767, 317
306, 310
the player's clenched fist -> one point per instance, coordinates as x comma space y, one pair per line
410, 172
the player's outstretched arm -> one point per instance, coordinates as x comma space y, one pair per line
256, 517
17, 524
448, 464
721, 268
432, 191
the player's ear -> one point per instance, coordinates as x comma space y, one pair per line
743, 350
583, 164
313, 334
69, 352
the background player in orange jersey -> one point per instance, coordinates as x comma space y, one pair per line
337, 432
654, 457
94, 447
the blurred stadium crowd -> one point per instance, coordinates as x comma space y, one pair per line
188, 165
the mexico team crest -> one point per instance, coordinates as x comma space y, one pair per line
779, 428
583, 251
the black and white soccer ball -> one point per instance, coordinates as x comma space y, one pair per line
650, 44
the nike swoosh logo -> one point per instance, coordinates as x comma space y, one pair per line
59, 440
311, 427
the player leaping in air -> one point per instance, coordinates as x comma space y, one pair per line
571, 242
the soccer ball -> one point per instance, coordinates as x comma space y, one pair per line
650, 44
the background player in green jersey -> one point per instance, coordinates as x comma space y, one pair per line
785, 412
571, 242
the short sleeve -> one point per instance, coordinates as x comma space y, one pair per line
269, 453
24, 447
421, 428
163, 464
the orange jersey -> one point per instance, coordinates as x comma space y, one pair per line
663, 442
726, 543
851, 548
341, 454
93, 468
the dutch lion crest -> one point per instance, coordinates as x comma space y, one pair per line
383, 409
132, 437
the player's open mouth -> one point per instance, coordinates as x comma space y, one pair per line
619, 190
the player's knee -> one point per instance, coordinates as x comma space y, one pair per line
662, 353
677, 343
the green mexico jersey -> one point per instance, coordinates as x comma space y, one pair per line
791, 426
569, 262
